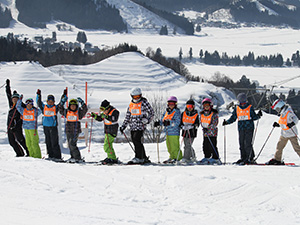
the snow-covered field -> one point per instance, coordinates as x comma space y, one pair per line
35, 191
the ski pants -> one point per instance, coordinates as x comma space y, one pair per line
210, 150
17, 141
72, 143
51, 138
108, 146
32, 143
189, 152
282, 143
174, 147
136, 137
245, 141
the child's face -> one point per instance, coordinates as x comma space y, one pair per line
72, 107
50, 102
29, 106
14, 100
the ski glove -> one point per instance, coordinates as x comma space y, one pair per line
38, 92
65, 92
80, 100
21, 97
260, 113
166, 123
224, 123
156, 123
144, 121
8, 83
205, 130
122, 129
275, 124
290, 125
103, 116
64, 99
94, 115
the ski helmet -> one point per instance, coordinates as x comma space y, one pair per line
50, 98
73, 102
104, 105
278, 105
172, 99
135, 91
242, 97
207, 100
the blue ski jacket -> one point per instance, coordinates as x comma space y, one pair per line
29, 125
48, 121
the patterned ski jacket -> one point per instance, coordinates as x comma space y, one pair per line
191, 132
174, 128
32, 123
212, 124
244, 124
111, 122
288, 114
73, 127
48, 121
136, 112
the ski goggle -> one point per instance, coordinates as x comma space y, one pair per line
189, 106
29, 101
103, 108
206, 104
171, 103
136, 96
73, 102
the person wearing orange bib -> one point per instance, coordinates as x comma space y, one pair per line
50, 126
30, 116
245, 115
110, 116
73, 115
289, 132
138, 115
189, 124
209, 119
171, 121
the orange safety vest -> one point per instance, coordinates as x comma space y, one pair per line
135, 108
188, 119
72, 116
283, 121
168, 116
28, 115
107, 122
243, 114
205, 120
48, 112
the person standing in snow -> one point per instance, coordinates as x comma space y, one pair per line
289, 132
245, 115
209, 118
171, 120
14, 123
30, 118
189, 124
50, 125
138, 115
110, 116
73, 115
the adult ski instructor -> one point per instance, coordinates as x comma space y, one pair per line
139, 114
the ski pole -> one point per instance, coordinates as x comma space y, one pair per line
90, 141
224, 145
264, 144
128, 142
253, 138
158, 145
295, 134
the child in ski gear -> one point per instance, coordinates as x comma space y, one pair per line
110, 116
171, 120
14, 123
30, 116
209, 118
289, 132
50, 125
245, 115
138, 115
73, 115
189, 123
